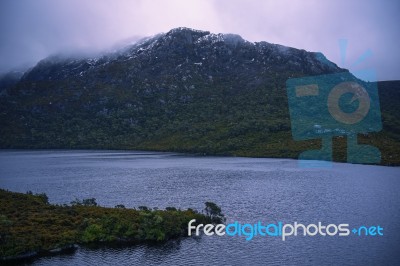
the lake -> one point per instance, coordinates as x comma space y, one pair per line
247, 189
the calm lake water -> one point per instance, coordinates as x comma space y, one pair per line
248, 190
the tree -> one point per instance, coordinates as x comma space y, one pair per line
89, 202
213, 212
43, 197
85, 202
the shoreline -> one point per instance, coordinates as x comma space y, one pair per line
30, 256
182, 153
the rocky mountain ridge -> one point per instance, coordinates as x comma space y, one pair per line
184, 90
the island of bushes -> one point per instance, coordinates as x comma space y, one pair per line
31, 227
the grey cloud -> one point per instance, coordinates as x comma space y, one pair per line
32, 30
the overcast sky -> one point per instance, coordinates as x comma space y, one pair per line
33, 29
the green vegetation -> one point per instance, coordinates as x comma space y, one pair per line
217, 122
28, 223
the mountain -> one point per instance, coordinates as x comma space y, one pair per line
8, 80
184, 90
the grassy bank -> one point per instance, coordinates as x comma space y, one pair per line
30, 226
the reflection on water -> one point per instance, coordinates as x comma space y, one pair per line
247, 189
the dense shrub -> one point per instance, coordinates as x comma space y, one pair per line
29, 223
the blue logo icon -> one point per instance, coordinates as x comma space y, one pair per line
340, 104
